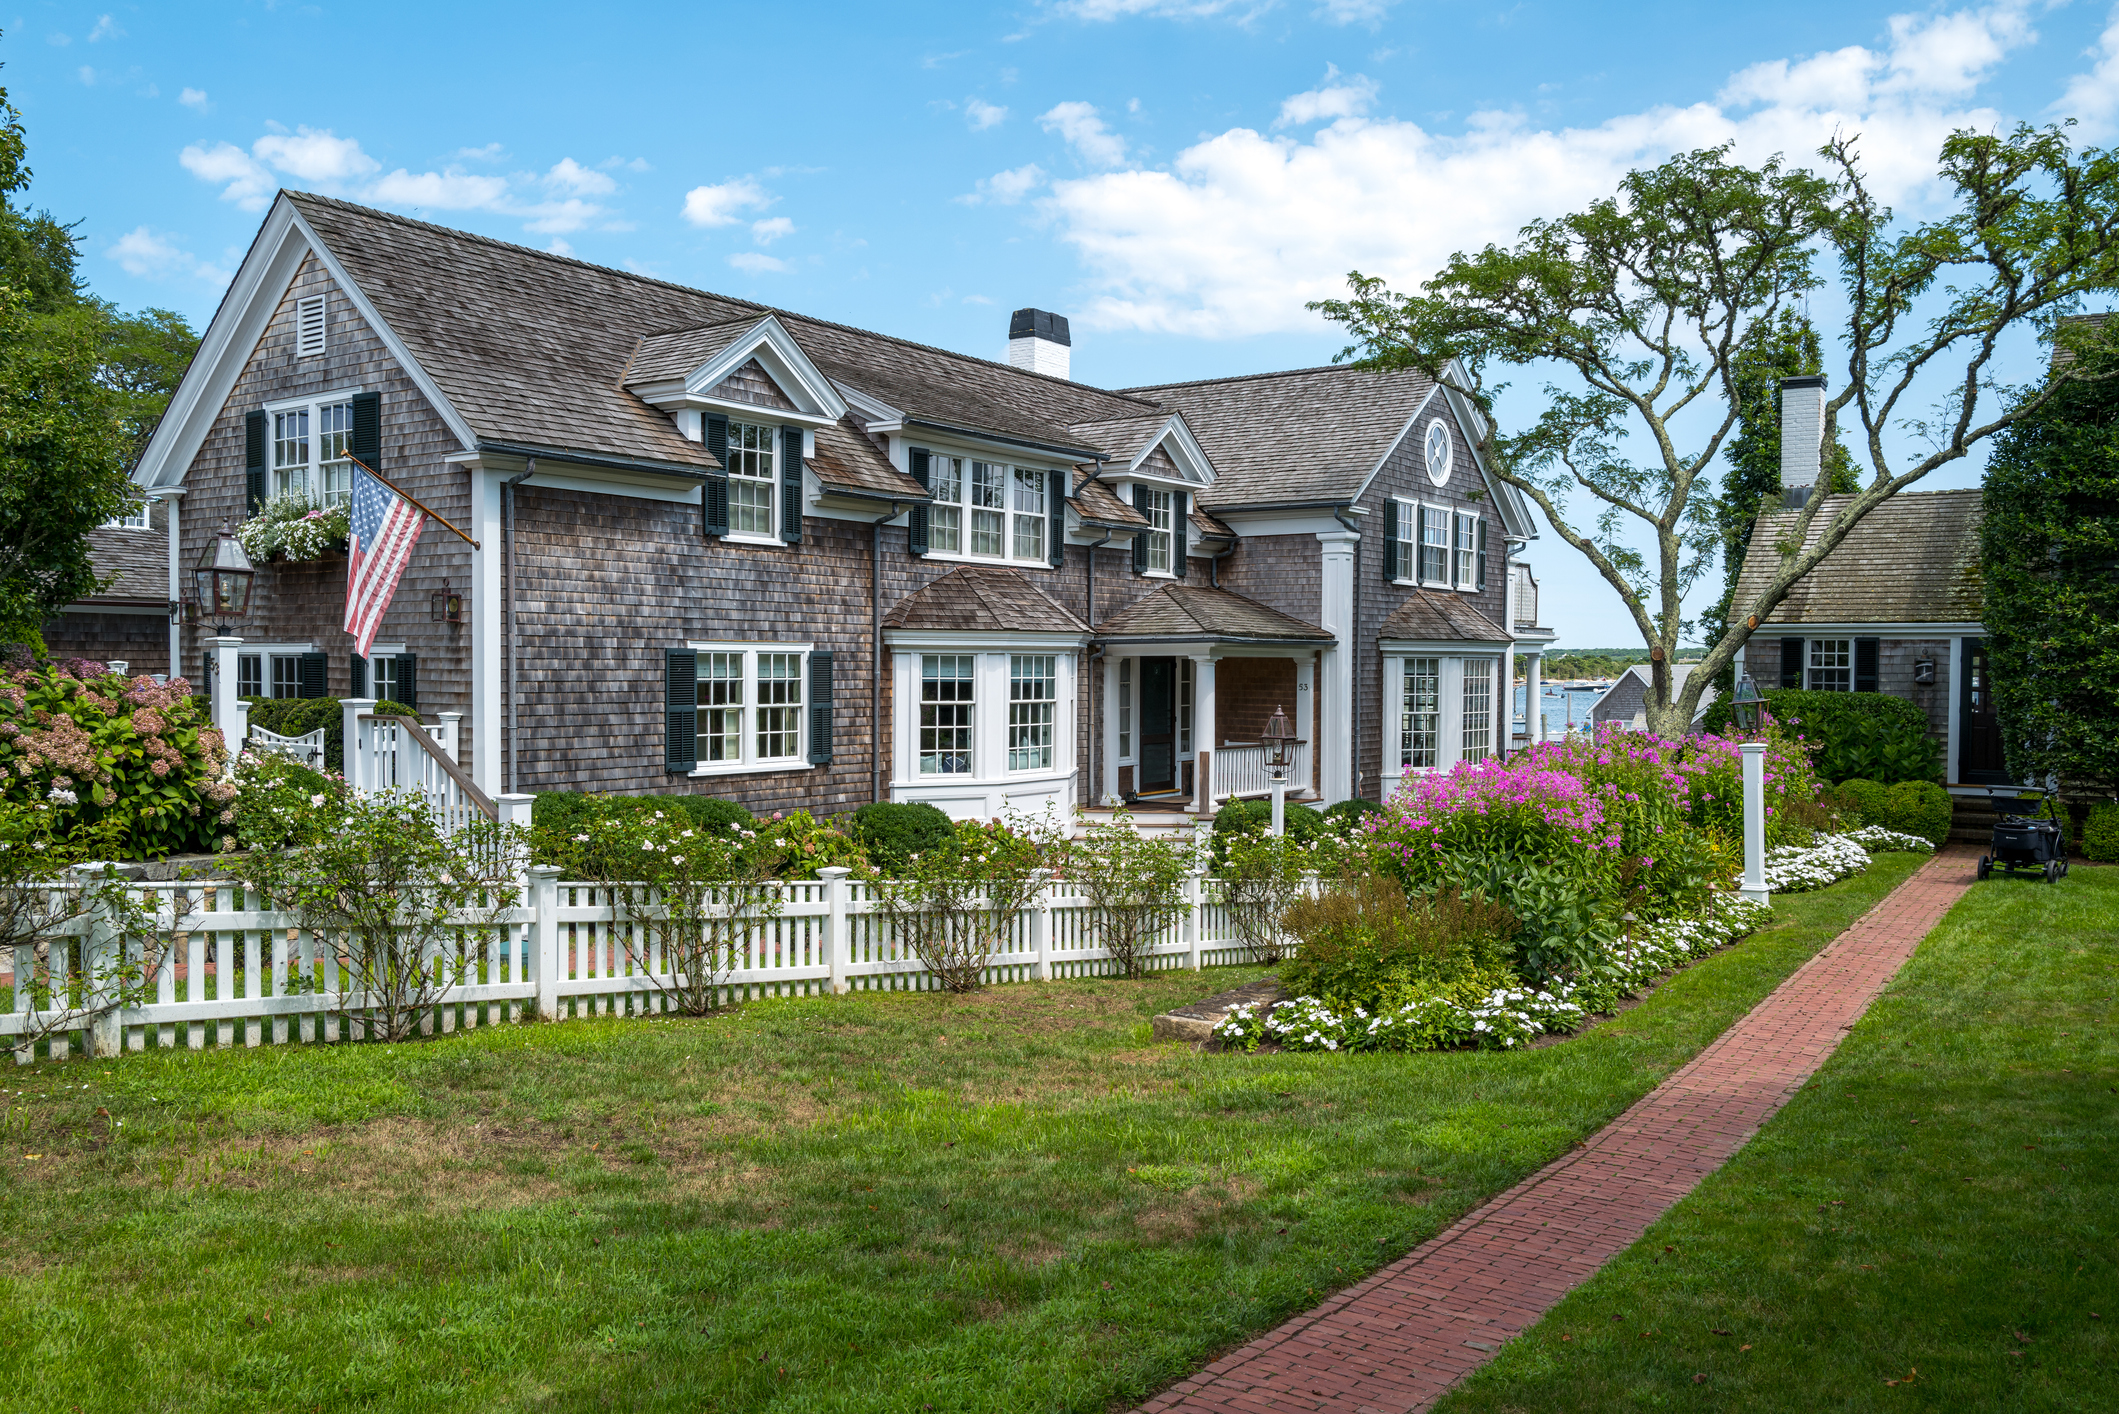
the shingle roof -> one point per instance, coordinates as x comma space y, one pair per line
976, 599
139, 559
532, 347
846, 458
1441, 616
1914, 559
661, 357
1309, 435
1121, 438
1100, 505
1194, 611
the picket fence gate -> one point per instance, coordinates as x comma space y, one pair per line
229, 971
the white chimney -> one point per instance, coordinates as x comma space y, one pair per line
1038, 340
1802, 436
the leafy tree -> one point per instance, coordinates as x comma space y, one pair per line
1649, 297
36, 252
2049, 558
144, 358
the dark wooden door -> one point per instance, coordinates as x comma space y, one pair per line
1979, 758
1158, 725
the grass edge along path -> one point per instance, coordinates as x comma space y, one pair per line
1400, 1339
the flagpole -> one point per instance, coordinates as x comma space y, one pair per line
422, 509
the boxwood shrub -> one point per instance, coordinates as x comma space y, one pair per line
2100, 833
1921, 808
892, 831
1869, 800
1870, 735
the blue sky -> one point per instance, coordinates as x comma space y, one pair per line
1178, 176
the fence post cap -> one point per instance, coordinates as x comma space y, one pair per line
833, 872
545, 871
513, 795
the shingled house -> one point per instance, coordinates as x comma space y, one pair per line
726, 548
1895, 608
127, 619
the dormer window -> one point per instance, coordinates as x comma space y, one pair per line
751, 479
986, 510
1159, 507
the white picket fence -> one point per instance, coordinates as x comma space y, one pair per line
234, 971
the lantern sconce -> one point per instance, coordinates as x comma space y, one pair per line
1924, 672
445, 605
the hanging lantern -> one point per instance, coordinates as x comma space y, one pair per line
224, 576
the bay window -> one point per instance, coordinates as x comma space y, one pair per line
748, 700
948, 698
1477, 741
1420, 717
1444, 706
982, 723
1033, 694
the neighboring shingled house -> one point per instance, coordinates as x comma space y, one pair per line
1626, 700
738, 550
129, 619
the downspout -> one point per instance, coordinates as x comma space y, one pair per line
507, 600
1354, 654
1096, 655
875, 651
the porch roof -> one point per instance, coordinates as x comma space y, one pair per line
977, 599
1440, 616
1195, 613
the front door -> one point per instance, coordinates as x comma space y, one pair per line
1158, 725
1979, 759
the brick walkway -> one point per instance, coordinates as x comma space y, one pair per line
1395, 1342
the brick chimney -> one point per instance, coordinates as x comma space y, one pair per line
1802, 437
1038, 340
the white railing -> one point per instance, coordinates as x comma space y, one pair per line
233, 970
397, 754
308, 748
1240, 769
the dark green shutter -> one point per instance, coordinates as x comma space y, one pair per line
916, 528
791, 485
1180, 532
315, 675
680, 710
1140, 537
366, 443
357, 675
407, 688
1791, 662
820, 708
254, 463
1391, 568
1482, 553
1865, 655
1056, 503
713, 496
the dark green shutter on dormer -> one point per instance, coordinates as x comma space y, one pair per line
1390, 540
366, 441
1180, 532
1865, 664
253, 463
1482, 552
713, 495
1140, 537
680, 711
820, 709
1791, 662
916, 527
791, 485
1056, 499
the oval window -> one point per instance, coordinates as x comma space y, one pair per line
1438, 451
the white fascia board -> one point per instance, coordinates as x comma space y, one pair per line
956, 443
1187, 452
881, 416
1277, 522
1507, 499
768, 341
1193, 468
556, 474
1397, 442
1440, 648
942, 640
1853, 630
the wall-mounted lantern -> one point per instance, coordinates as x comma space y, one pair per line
1924, 672
445, 605
224, 575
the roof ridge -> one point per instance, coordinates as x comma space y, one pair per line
393, 216
1273, 373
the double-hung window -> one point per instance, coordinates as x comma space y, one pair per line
752, 479
1477, 740
1184, 706
1467, 566
309, 446
131, 520
1408, 546
1434, 545
749, 701
948, 698
1420, 716
1125, 709
1033, 697
1158, 506
1831, 665
982, 510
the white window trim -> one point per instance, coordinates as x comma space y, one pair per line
1449, 451
1408, 550
1810, 668
750, 764
1448, 553
1471, 583
989, 774
1055, 516
773, 487
1449, 727
314, 404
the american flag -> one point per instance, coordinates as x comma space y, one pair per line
385, 528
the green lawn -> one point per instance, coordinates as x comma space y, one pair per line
1943, 1198
878, 1202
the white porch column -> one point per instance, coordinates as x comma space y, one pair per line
1306, 714
1206, 739
226, 719
485, 630
1336, 617
173, 498
1533, 699
1108, 790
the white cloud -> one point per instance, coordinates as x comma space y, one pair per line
1354, 12
1235, 234
491, 152
87, 75
2093, 98
721, 203
1329, 100
451, 190
315, 155
637, 164
771, 229
194, 98
106, 28
144, 254
752, 262
1007, 188
248, 183
1161, 9
1085, 132
571, 177
983, 115
559, 247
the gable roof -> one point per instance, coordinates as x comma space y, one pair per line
1192, 611
978, 599
1441, 616
138, 558
1914, 559
1262, 430
846, 460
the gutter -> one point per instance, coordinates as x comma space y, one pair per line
560, 454
1243, 507
1079, 454
875, 648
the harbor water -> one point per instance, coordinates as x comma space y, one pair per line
1565, 708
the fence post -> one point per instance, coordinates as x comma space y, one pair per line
1041, 929
1196, 897
100, 971
450, 737
836, 937
354, 753
544, 903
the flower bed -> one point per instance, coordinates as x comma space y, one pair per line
1795, 869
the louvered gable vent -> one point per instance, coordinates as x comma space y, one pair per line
309, 327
